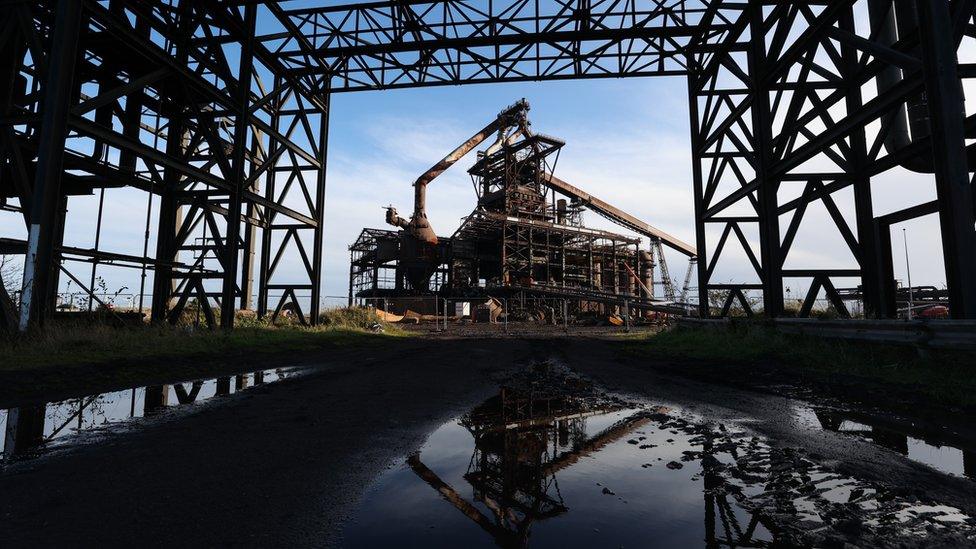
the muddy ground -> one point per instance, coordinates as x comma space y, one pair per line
285, 464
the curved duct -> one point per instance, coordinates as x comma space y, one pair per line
418, 226
890, 21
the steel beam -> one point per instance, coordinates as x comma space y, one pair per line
230, 289
868, 259
58, 88
317, 266
768, 184
169, 208
953, 186
696, 171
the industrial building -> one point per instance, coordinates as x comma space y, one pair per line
524, 242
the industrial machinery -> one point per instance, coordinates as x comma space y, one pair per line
525, 240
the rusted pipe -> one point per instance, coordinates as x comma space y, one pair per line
419, 226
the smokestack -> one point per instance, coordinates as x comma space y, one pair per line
647, 273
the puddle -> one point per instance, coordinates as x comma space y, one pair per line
557, 463
937, 450
30, 429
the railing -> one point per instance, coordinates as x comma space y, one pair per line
929, 334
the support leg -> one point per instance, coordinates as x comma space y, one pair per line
953, 186
50, 159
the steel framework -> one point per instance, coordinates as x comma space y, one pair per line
787, 116
220, 111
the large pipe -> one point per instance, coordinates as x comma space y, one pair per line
885, 25
647, 273
892, 20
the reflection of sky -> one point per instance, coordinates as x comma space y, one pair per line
61, 418
653, 506
947, 459
649, 506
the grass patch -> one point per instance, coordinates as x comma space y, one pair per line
944, 377
99, 343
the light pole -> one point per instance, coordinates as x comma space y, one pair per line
908, 269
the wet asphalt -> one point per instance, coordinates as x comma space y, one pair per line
285, 464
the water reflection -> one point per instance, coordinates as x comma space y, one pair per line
29, 428
522, 460
520, 442
558, 464
938, 450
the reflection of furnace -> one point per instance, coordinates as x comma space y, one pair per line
522, 440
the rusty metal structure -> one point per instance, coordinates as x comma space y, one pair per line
524, 241
219, 111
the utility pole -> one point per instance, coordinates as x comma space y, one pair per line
908, 268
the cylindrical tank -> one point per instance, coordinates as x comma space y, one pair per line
561, 211
647, 273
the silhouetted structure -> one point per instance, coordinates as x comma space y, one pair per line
219, 111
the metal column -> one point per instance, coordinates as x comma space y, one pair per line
238, 179
696, 170
320, 210
954, 189
869, 260
170, 218
38, 264
769, 237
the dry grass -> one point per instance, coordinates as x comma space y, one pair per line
99, 343
944, 377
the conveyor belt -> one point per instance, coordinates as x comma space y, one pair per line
619, 217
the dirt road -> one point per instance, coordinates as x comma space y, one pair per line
286, 464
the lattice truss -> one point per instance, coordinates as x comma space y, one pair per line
797, 107
178, 100
408, 43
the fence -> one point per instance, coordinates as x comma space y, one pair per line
447, 313
445, 308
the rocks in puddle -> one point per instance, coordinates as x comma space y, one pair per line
647, 465
646, 446
674, 465
632, 441
608, 492
670, 440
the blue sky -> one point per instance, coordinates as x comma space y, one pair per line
625, 140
